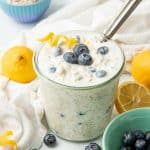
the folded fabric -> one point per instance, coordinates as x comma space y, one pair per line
17, 113
20, 105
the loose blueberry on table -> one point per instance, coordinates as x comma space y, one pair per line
93, 146
49, 140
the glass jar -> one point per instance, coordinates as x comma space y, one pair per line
78, 113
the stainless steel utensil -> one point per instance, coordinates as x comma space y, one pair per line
127, 10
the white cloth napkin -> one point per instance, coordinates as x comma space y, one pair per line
17, 112
20, 105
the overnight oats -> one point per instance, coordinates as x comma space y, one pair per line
79, 76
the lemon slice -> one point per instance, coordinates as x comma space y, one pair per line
132, 95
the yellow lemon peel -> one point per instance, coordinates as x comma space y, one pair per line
47, 37
54, 40
71, 42
5, 141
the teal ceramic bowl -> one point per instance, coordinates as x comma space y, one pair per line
26, 13
137, 119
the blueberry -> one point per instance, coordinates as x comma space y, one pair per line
58, 51
92, 69
140, 144
70, 57
85, 59
147, 136
128, 138
93, 146
49, 140
52, 69
126, 148
103, 50
80, 48
139, 134
101, 73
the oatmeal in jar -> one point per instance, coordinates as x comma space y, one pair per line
79, 77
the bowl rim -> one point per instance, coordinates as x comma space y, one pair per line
118, 117
25, 5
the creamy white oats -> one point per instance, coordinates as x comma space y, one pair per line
80, 75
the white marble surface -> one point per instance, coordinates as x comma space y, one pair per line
9, 29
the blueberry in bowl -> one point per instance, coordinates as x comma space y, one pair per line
147, 136
25, 13
128, 138
139, 134
134, 140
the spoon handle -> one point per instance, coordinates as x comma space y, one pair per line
127, 10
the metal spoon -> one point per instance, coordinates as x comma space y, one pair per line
127, 10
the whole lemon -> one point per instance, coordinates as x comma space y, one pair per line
140, 67
17, 64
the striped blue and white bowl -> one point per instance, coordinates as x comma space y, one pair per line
26, 13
